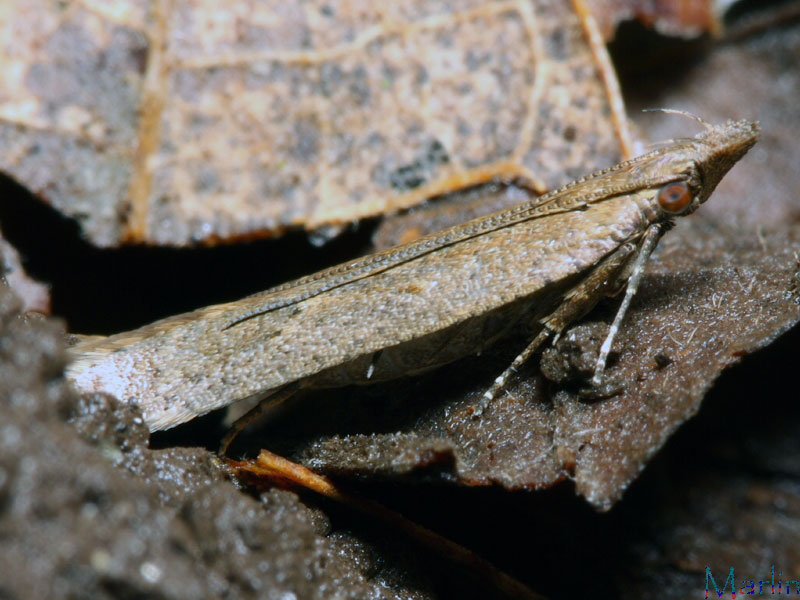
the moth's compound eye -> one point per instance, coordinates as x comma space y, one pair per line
674, 198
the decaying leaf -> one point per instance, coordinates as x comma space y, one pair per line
177, 123
735, 503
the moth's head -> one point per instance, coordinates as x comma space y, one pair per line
719, 148
703, 162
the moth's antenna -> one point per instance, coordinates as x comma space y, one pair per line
674, 111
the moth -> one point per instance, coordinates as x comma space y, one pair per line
541, 264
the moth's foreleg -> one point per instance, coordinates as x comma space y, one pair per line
646, 247
575, 304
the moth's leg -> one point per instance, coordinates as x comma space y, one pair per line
500, 381
270, 401
646, 247
373, 361
580, 300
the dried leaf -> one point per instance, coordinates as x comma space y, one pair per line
209, 122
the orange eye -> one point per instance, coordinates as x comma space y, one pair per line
674, 197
